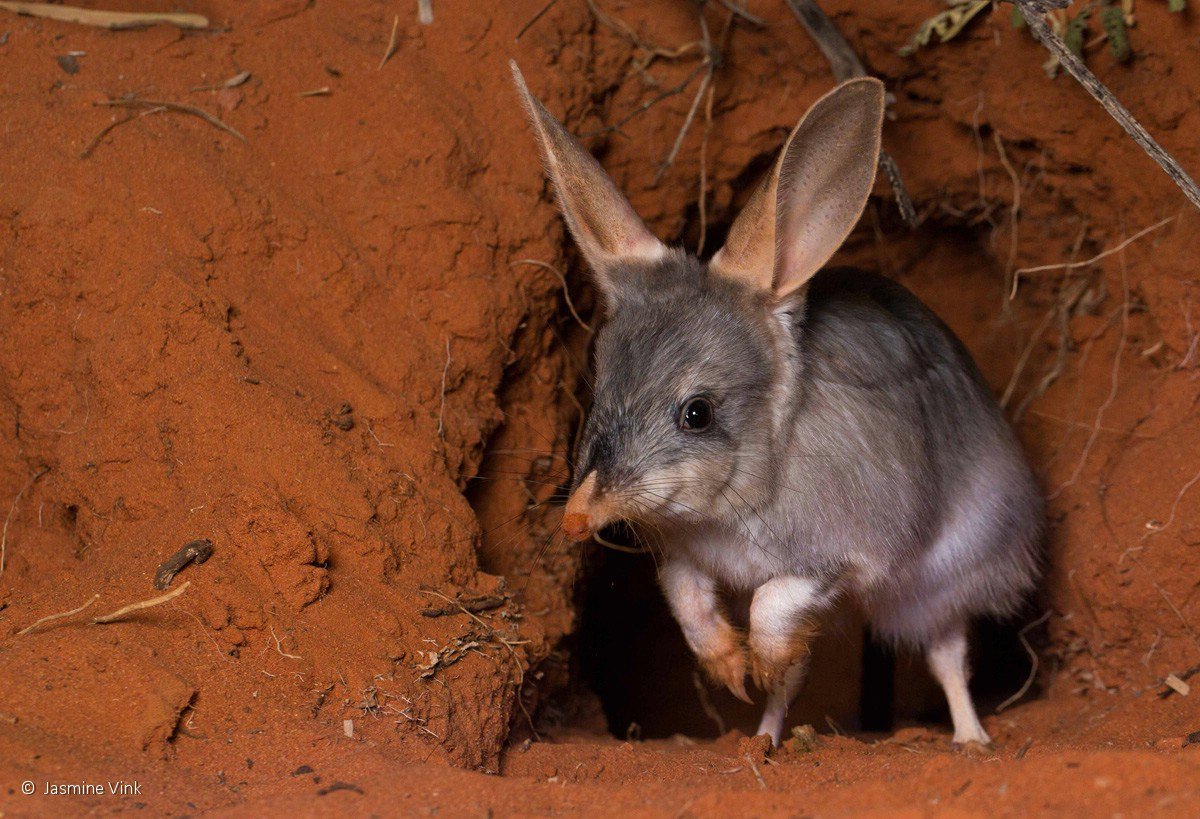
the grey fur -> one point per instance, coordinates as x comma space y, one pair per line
890, 467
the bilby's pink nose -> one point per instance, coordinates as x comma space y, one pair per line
576, 526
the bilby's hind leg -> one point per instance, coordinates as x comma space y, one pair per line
781, 630
782, 694
948, 661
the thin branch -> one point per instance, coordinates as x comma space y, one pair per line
1014, 213
51, 617
391, 46
846, 65
441, 427
1086, 262
706, 704
702, 200
174, 106
566, 293
1112, 392
533, 20
757, 773
1033, 661
114, 20
711, 59
838, 53
12, 510
95, 143
144, 604
279, 647
687, 124
738, 11
1032, 10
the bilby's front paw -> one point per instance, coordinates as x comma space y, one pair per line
768, 671
727, 666
771, 657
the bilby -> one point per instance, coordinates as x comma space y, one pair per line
791, 432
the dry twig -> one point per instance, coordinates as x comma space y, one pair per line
11, 511
709, 64
441, 427
706, 705
1112, 392
702, 201
1033, 662
114, 20
233, 82
279, 647
174, 106
51, 617
144, 604
391, 48
566, 294
738, 11
95, 143
757, 773
1014, 212
533, 20
1087, 262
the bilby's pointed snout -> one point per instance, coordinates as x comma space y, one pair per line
585, 513
576, 526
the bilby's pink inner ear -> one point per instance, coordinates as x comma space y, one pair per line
811, 200
604, 224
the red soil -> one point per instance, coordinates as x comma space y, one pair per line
307, 347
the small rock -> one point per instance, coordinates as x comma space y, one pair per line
805, 739
68, 63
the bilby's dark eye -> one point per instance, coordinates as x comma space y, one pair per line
696, 415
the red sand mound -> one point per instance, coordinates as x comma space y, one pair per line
324, 348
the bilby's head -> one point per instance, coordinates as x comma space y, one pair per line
696, 363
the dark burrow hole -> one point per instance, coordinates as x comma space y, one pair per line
630, 653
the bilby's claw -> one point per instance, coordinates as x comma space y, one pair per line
728, 668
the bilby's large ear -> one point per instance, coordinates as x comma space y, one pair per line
808, 204
604, 224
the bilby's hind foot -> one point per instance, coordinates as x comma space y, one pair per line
975, 750
781, 695
948, 662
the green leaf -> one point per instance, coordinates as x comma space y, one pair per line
1113, 20
947, 25
1076, 29
1176, 5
